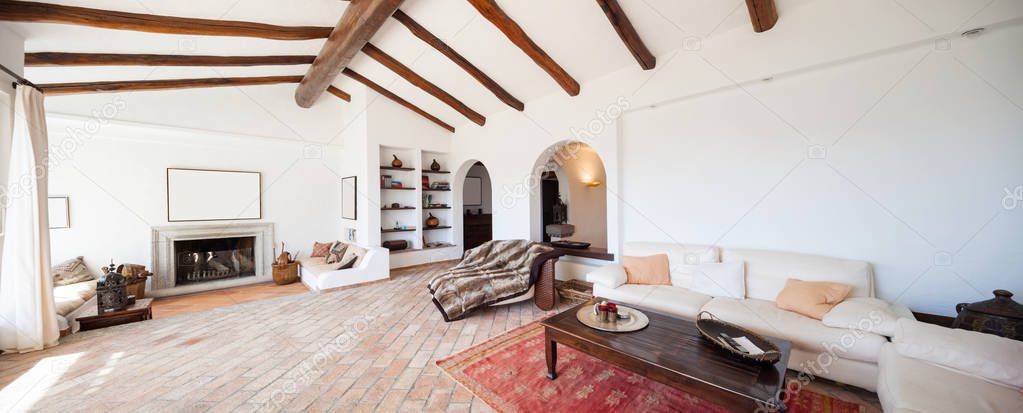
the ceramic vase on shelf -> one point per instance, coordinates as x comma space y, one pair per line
435, 166
397, 163
432, 221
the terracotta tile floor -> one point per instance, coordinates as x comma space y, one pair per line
369, 348
184, 304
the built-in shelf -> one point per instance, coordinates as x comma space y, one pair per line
421, 249
405, 250
414, 176
390, 230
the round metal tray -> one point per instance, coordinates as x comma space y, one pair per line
637, 320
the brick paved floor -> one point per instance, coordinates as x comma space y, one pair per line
283, 354
208, 300
369, 348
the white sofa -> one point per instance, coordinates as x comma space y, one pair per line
319, 276
838, 354
909, 385
71, 301
921, 371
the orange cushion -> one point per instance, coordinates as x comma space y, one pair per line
651, 270
320, 249
811, 298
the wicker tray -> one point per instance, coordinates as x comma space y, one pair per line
711, 328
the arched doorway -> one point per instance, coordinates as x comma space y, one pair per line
570, 189
477, 206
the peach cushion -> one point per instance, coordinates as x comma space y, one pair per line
650, 270
811, 298
321, 249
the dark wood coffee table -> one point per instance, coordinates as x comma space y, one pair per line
142, 310
671, 351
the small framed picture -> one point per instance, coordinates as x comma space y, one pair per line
349, 196
60, 212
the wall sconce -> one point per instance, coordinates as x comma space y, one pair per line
592, 183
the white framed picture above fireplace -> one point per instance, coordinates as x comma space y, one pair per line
213, 195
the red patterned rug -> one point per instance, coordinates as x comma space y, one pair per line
509, 373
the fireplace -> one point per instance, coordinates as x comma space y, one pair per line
193, 258
212, 259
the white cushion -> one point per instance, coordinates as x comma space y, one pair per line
766, 271
679, 255
610, 276
628, 293
910, 385
664, 298
68, 298
864, 313
317, 265
717, 279
677, 301
987, 356
805, 333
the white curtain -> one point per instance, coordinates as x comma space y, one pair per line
28, 320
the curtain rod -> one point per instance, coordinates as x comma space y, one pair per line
19, 80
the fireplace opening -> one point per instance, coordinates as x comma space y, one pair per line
202, 260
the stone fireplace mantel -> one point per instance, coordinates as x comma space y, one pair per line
163, 282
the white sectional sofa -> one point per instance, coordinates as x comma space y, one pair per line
840, 354
921, 371
319, 276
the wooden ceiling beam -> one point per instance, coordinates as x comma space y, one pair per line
621, 23
339, 93
139, 85
491, 11
426, 36
23, 11
420, 82
111, 59
763, 14
360, 21
397, 99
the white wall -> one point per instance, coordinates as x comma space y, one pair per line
915, 185
115, 176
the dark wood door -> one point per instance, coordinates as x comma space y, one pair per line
477, 229
548, 194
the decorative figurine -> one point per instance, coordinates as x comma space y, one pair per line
397, 163
432, 221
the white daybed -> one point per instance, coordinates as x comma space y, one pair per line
319, 276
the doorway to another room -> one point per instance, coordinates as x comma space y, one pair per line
477, 207
569, 206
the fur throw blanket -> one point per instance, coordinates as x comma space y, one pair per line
490, 273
